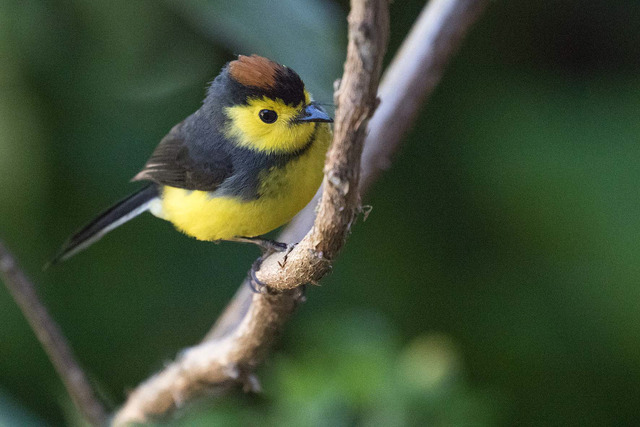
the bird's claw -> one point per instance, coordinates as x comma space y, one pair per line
256, 284
287, 251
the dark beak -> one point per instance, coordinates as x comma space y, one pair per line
313, 113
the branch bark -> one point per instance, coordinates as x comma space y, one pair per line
51, 338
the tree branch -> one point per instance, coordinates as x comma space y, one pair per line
215, 365
241, 338
52, 340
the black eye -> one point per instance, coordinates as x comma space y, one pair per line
268, 116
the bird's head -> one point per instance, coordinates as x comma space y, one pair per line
265, 105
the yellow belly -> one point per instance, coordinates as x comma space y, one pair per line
284, 192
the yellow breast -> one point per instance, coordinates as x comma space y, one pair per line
283, 193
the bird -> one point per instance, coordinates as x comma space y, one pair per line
240, 166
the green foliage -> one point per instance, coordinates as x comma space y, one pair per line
494, 283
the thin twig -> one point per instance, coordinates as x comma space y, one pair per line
51, 338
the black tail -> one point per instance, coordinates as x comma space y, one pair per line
113, 217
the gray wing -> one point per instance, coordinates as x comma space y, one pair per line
177, 163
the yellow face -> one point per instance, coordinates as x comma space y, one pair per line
269, 125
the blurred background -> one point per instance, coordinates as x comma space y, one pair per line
495, 282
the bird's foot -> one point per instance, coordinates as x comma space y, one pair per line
256, 284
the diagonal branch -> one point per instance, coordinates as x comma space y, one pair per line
241, 338
219, 364
51, 338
